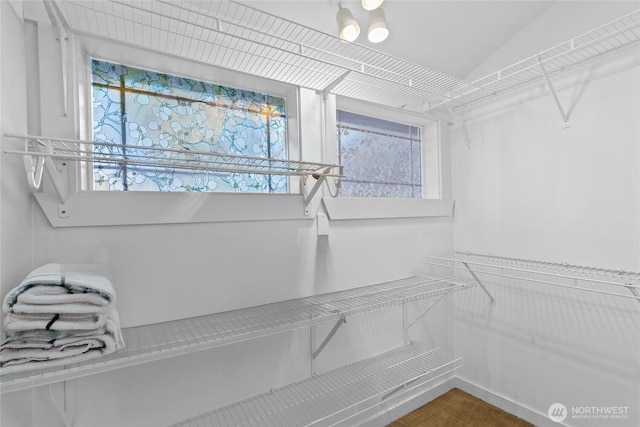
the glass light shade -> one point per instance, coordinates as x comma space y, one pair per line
378, 30
371, 4
347, 26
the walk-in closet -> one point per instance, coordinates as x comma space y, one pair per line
319, 213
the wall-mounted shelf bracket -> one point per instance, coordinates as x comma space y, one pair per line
399, 388
634, 291
329, 88
475, 277
63, 32
333, 331
40, 158
565, 118
67, 415
310, 192
407, 326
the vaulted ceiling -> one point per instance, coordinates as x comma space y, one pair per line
453, 37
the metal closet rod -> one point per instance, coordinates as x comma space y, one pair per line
632, 288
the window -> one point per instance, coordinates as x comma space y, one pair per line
140, 108
380, 158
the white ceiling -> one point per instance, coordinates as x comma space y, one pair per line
452, 36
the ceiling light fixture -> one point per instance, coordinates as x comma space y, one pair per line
371, 4
348, 27
378, 30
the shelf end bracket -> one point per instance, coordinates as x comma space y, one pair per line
329, 88
634, 291
565, 118
333, 331
320, 178
57, 173
486, 291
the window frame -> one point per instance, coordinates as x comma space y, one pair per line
90, 177
99, 208
422, 154
435, 201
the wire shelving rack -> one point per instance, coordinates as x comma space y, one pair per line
169, 339
615, 35
603, 281
40, 154
239, 37
325, 398
106, 153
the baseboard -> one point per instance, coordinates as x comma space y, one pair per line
403, 403
536, 418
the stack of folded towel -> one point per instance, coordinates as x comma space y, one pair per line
60, 314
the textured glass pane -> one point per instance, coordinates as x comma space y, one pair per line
375, 158
182, 114
416, 167
357, 189
107, 126
380, 158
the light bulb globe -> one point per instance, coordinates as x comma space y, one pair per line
371, 4
377, 31
348, 28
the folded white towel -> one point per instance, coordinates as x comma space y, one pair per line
50, 334
27, 352
54, 321
62, 288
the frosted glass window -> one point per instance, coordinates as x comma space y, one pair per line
141, 108
380, 158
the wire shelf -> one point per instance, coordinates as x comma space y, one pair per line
328, 397
169, 339
105, 153
620, 33
603, 281
238, 37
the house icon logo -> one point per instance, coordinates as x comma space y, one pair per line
557, 412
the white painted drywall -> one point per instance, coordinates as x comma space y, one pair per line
525, 187
165, 272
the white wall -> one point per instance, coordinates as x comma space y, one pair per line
16, 233
561, 21
525, 187
164, 272
16, 200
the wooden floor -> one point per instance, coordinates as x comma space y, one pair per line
459, 409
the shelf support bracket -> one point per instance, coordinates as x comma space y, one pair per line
329, 88
406, 330
486, 291
63, 30
57, 173
309, 196
397, 389
67, 415
333, 331
565, 118
634, 291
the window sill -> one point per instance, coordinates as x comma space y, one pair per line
96, 208
369, 208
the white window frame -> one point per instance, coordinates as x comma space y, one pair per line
96, 208
435, 198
